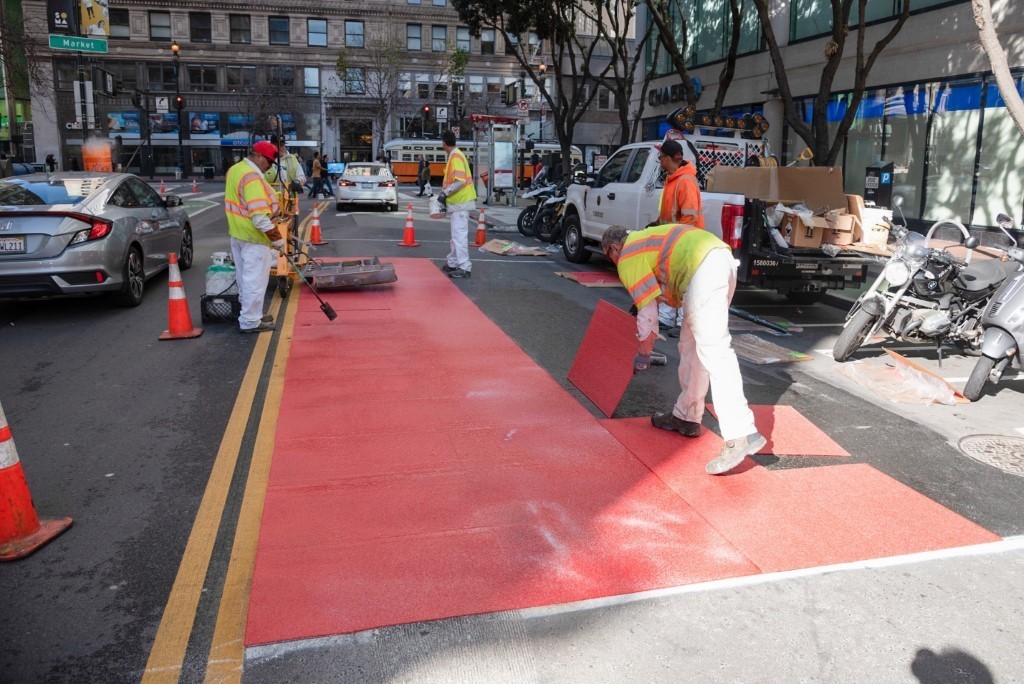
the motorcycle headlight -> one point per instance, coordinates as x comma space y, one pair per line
897, 273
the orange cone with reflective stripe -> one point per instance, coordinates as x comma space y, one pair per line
21, 530
195, 186
179, 320
409, 239
481, 231
315, 238
163, 188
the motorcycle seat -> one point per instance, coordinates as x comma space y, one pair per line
982, 275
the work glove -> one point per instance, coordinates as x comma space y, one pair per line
442, 199
278, 244
641, 362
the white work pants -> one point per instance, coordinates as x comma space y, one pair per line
252, 271
459, 256
705, 349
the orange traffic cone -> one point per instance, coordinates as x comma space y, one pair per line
180, 322
195, 186
21, 530
315, 238
481, 231
163, 188
409, 239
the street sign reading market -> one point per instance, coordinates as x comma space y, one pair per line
76, 43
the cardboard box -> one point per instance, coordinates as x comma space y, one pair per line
876, 236
818, 188
855, 208
840, 228
802, 235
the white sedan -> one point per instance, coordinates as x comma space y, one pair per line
367, 183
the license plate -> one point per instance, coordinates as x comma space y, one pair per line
367, 186
12, 244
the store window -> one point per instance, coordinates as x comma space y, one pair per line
160, 26
487, 42
354, 36
199, 30
463, 40
279, 30
906, 124
865, 137
316, 32
952, 150
120, 26
1000, 181
438, 39
414, 37
202, 78
241, 79
311, 80
241, 29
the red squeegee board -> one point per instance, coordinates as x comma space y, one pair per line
603, 365
449, 476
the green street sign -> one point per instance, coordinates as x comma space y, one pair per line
76, 43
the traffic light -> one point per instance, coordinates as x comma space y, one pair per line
179, 102
426, 112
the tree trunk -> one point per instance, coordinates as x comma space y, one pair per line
997, 58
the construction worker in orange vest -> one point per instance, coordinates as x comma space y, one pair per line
251, 205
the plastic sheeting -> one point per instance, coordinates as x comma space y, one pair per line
899, 383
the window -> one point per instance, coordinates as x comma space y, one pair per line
440, 91
414, 2
278, 29
423, 86
241, 29
282, 79
202, 78
605, 100
438, 3
316, 32
413, 37
126, 73
199, 27
241, 79
160, 26
161, 78
636, 167
311, 80
355, 82
612, 170
354, 34
511, 45
950, 159
462, 39
1000, 185
438, 39
120, 29
476, 87
487, 42
404, 85
146, 196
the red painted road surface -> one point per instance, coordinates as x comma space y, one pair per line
425, 467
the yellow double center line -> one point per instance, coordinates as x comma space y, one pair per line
227, 650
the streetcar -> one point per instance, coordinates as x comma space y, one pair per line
405, 156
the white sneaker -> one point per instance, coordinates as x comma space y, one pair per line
734, 452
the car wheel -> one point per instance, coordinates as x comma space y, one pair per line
573, 246
187, 251
134, 279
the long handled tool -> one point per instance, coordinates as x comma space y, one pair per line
324, 306
760, 321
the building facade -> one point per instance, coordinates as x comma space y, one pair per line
243, 68
931, 106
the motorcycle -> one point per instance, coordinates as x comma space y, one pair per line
547, 226
924, 295
539, 192
1003, 322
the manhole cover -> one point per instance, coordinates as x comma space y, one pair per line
999, 451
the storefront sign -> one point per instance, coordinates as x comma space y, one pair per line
62, 16
204, 125
163, 125
125, 124
673, 93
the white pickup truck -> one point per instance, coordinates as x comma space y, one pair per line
627, 189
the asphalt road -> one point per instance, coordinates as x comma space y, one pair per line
120, 431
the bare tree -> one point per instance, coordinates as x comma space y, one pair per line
997, 58
568, 51
674, 40
25, 67
373, 71
826, 147
615, 23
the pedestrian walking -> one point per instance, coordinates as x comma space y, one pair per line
459, 195
250, 205
693, 268
423, 176
317, 176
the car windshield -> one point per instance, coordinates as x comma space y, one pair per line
56, 191
17, 195
366, 171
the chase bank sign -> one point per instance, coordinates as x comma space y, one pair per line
671, 94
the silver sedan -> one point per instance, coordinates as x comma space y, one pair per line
366, 183
82, 233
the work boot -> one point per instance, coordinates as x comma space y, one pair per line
459, 273
262, 327
674, 332
267, 318
668, 421
734, 452
446, 269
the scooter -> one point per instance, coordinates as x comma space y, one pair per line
1003, 322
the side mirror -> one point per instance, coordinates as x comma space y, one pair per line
172, 201
897, 201
1004, 221
971, 242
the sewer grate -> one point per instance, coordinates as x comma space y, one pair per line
998, 451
